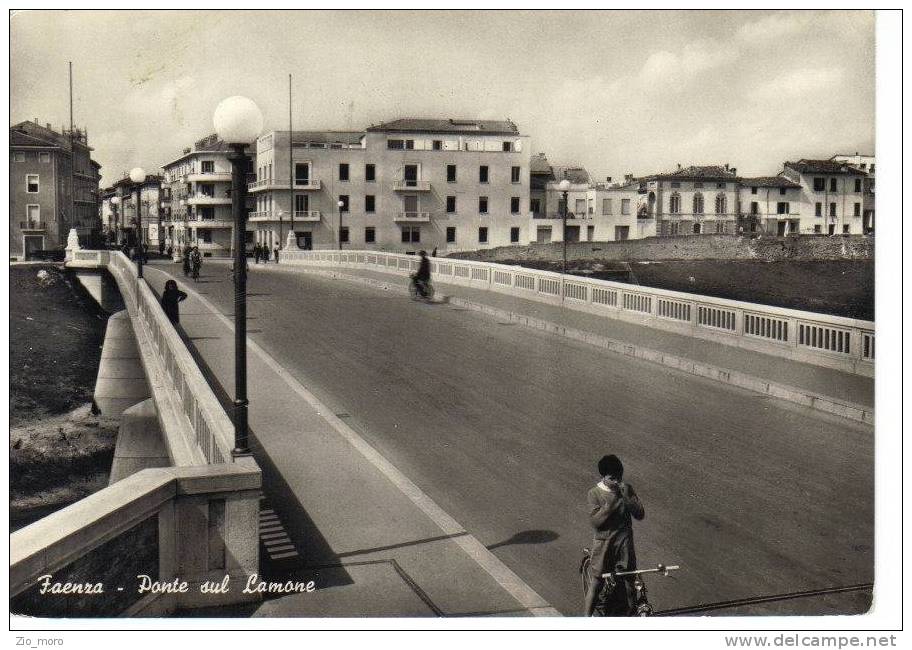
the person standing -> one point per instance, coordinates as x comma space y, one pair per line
257, 251
171, 297
613, 505
276, 253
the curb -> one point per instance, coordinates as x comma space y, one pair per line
848, 410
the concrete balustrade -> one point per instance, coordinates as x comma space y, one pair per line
831, 341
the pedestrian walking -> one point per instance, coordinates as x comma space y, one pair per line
276, 253
171, 297
257, 251
434, 252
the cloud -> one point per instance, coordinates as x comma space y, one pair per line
773, 27
797, 83
686, 64
780, 26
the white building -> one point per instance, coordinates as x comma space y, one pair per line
832, 196
770, 204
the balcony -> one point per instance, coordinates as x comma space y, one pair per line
413, 217
210, 223
307, 184
307, 215
32, 225
209, 177
411, 186
205, 199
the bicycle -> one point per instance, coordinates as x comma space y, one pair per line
614, 598
421, 290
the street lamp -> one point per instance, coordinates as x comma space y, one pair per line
238, 121
138, 176
340, 203
115, 201
564, 188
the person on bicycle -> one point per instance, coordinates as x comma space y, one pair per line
422, 276
196, 261
612, 507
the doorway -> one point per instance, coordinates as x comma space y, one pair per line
305, 240
621, 233
573, 233
781, 227
543, 235
411, 175
31, 244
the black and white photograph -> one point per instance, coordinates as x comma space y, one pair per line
452, 319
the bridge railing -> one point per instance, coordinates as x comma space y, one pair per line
196, 427
821, 339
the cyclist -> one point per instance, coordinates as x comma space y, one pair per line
196, 261
422, 276
612, 506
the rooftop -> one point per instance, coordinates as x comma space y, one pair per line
805, 166
769, 181
426, 125
715, 172
327, 137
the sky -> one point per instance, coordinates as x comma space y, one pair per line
616, 91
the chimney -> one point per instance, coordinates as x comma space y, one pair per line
734, 171
726, 166
628, 178
607, 179
48, 126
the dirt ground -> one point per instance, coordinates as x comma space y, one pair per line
59, 451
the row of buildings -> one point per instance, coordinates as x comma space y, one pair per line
462, 185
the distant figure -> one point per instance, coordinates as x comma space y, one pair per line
434, 252
170, 251
257, 252
276, 253
161, 246
125, 249
170, 299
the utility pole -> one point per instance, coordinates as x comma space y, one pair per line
72, 155
291, 180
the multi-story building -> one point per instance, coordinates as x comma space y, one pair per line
832, 196
865, 163
693, 200
53, 188
403, 185
770, 204
197, 195
620, 211
119, 218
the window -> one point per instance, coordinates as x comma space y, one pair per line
817, 229
845, 229
46, 158
482, 205
483, 235
370, 173
514, 204
514, 235
451, 204
857, 211
343, 234
31, 183
720, 227
507, 146
535, 205
832, 209
205, 235
411, 234
451, 235
301, 201
698, 203
33, 214
580, 207
818, 209
675, 184
451, 173
207, 166
625, 206
721, 204
832, 184
872, 168
698, 186
754, 189
206, 189
606, 206
344, 199
782, 208
370, 203
207, 212
781, 191
395, 144
437, 145
483, 174
343, 171
674, 204
302, 174
19, 157
409, 144
819, 184
370, 235
720, 186
857, 184
514, 174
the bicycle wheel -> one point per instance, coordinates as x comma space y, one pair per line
428, 291
413, 290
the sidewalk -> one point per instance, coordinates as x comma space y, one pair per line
841, 386
371, 541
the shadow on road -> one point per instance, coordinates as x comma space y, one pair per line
527, 537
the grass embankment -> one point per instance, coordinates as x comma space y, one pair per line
59, 451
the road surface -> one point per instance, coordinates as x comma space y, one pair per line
502, 426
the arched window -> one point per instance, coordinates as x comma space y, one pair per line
697, 228
698, 203
721, 203
674, 205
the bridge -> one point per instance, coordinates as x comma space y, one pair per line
432, 459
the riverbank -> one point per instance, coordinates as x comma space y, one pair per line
59, 451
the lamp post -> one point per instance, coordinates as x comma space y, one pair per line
238, 121
340, 203
138, 176
564, 188
115, 201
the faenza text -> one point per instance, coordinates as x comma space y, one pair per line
146, 585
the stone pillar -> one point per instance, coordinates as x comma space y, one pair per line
291, 242
72, 244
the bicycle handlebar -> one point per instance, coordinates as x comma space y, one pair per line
661, 568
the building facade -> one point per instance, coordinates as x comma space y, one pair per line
770, 204
832, 196
695, 200
866, 164
119, 218
53, 188
195, 200
404, 185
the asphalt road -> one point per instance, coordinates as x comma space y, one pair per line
502, 426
